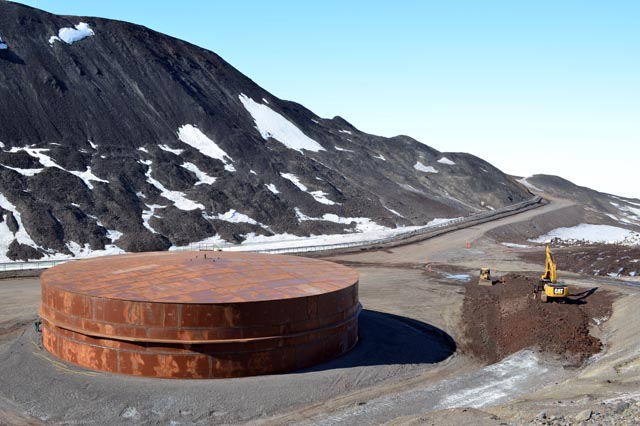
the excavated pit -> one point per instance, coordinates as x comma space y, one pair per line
502, 319
199, 315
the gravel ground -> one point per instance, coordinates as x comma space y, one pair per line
625, 412
390, 348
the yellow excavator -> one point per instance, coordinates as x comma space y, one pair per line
549, 287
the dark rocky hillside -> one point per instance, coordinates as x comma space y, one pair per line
132, 137
599, 206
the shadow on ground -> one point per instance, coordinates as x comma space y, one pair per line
386, 339
579, 298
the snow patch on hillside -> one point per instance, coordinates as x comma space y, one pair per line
366, 230
348, 132
171, 150
23, 172
148, 214
178, 198
337, 148
294, 179
393, 211
445, 160
421, 167
319, 196
234, 216
71, 35
529, 185
271, 187
409, 188
270, 124
3, 45
634, 212
381, 157
214, 241
192, 136
363, 224
87, 176
6, 236
591, 234
114, 235
87, 251
203, 178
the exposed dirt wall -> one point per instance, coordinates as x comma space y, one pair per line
505, 318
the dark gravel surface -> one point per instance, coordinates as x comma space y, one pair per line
390, 348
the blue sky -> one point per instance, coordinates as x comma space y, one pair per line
531, 86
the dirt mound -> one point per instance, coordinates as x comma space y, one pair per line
505, 318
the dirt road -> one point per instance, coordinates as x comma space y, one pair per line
447, 248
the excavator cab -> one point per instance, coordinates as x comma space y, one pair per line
485, 277
548, 286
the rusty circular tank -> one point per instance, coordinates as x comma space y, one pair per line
199, 314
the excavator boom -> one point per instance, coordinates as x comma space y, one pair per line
550, 268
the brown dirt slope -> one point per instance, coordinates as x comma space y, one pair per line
505, 318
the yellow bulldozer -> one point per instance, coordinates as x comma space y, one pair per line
485, 277
549, 288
